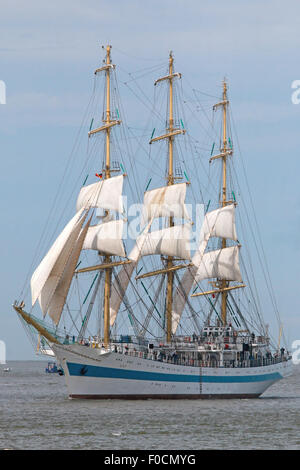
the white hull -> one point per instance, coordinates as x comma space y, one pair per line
91, 373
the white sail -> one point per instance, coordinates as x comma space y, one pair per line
106, 238
222, 264
174, 241
51, 267
58, 299
217, 223
220, 223
171, 241
122, 280
167, 201
160, 202
57, 272
106, 194
118, 289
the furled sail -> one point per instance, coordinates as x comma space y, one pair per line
106, 238
58, 299
217, 223
167, 201
221, 264
47, 275
171, 241
106, 194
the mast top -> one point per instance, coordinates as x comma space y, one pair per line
108, 48
224, 101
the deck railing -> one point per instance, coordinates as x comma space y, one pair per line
187, 359
190, 361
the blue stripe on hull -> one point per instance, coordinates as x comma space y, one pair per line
81, 370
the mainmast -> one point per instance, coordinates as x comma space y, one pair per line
171, 131
224, 189
224, 153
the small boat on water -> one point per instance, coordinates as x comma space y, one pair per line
7, 369
52, 368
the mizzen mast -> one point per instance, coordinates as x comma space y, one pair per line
222, 264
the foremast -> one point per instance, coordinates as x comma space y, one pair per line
170, 275
108, 124
51, 280
108, 272
107, 285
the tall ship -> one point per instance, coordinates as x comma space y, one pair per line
163, 315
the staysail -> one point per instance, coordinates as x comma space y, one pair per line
58, 299
119, 288
47, 275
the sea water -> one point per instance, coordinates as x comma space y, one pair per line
36, 413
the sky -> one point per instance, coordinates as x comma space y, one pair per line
48, 52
